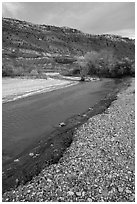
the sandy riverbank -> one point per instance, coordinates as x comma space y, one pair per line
15, 88
98, 166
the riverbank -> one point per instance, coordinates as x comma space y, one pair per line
78, 175
32, 126
16, 88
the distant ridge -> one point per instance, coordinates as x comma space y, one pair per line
42, 39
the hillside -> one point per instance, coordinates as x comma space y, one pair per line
50, 47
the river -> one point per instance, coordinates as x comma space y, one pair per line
26, 121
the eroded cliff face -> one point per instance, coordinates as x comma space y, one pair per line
52, 47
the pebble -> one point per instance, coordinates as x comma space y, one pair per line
83, 194
49, 180
132, 197
28, 191
62, 124
16, 160
112, 139
31, 154
120, 189
86, 173
71, 193
78, 193
128, 191
89, 199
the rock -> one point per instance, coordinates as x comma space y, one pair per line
78, 193
128, 191
71, 176
16, 160
132, 197
112, 139
17, 181
31, 154
48, 180
7, 199
28, 191
89, 199
83, 193
120, 189
62, 124
105, 192
90, 171
71, 193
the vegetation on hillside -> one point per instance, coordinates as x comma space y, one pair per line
32, 50
104, 64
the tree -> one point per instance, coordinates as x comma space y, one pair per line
83, 68
105, 64
106, 61
92, 59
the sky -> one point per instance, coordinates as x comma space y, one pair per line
90, 17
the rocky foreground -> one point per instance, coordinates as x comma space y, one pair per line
98, 166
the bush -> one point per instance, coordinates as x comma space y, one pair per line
8, 69
132, 71
18, 71
75, 72
105, 64
64, 60
124, 68
98, 63
34, 72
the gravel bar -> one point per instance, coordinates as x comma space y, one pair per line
98, 166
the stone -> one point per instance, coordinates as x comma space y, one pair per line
71, 193
28, 191
128, 191
48, 180
112, 139
120, 189
132, 197
83, 193
62, 124
89, 199
31, 154
16, 160
78, 193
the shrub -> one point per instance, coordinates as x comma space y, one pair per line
8, 69
75, 71
18, 71
124, 68
105, 64
34, 72
132, 71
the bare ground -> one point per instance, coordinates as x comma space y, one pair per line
15, 88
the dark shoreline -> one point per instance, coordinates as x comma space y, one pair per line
50, 151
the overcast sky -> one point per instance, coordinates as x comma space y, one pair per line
89, 17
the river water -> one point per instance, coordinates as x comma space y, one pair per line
26, 121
